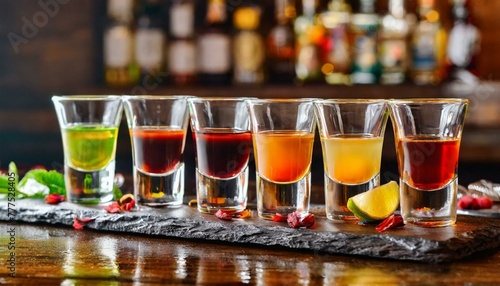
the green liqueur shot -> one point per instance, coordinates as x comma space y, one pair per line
90, 154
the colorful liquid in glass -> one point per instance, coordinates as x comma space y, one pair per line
222, 152
158, 150
352, 159
283, 156
428, 163
89, 147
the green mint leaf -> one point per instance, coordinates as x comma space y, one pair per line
55, 181
36, 174
117, 193
4, 181
13, 170
4, 190
52, 179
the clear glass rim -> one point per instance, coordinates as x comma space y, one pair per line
352, 100
157, 97
283, 100
428, 100
84, 97
219, 98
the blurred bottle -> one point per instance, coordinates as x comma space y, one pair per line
182, 48
463, 46
393, 44
364, 28
309, 35
428, 46
119, 67
150, 44
281, 43
336, 51
248, 46
214, 46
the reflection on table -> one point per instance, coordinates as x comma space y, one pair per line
48, 255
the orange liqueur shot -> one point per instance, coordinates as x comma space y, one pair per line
283, 156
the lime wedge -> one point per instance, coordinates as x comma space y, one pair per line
375, 204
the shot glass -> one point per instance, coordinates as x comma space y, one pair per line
223, 144
158, 127
427, 134
283, 139
89, 128
352, 134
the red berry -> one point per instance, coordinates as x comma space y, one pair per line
112, 208
224, 215
79, 223
54, 199
474, 204
465, 202
484, 202
308, 221
296, 220
279, 217
293, 220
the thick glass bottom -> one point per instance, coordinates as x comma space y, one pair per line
425, 208
214, 194
337, 195
159, 190
273, 198
89, 187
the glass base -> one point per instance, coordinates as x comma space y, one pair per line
425, 208
215, 194
159, 190
337, 195
89, 187
273, 198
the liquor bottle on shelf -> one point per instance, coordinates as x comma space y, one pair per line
150, 43
428, 46
336, 50
214, 46
364, 28
119, 67
182, 48
309, 35
463, 46
248, 46
393, 44
281, 43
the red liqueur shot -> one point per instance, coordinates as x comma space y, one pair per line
222, 152
161, 150
431, 163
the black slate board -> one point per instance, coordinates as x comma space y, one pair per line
429, 245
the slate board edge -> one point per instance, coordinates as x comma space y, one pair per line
377, 246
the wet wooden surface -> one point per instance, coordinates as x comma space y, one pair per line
46, 255
410, 243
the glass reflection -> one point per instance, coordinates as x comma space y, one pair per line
90, 258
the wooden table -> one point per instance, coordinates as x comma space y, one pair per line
47, 255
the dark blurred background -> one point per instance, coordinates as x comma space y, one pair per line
62, 54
